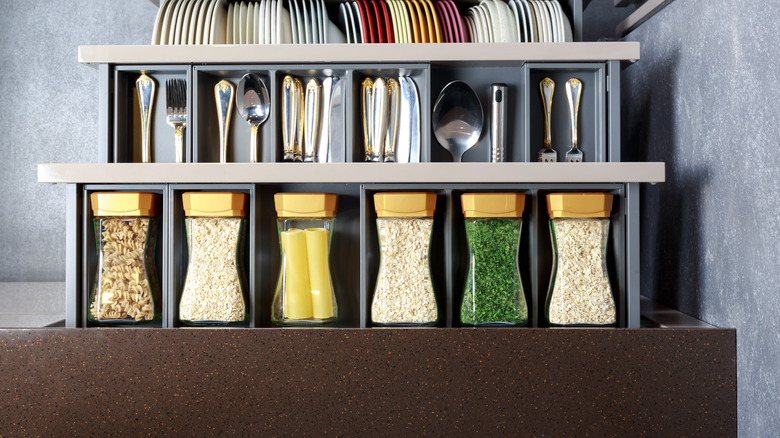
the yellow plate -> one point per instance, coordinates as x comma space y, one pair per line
436, 22
429, 20
418, 22
405, 25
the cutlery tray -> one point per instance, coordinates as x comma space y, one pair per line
355, 247
598, 121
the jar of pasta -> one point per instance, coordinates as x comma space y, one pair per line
215, 288
579, 293
304, 291
493, 291
404, 293
125, 289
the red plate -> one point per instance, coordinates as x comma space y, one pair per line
444, 19
368, 25
380, 22
388, 22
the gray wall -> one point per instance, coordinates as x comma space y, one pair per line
703, 99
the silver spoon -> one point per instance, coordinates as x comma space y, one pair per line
457, 119
253, 105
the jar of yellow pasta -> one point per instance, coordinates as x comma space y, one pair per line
304, 292
215, 291
125, 289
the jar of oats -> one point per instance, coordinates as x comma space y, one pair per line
125, 289
493, 291
215, 289
580, 293
404, 292
304, 291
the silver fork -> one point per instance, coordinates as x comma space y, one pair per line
547, 154
176, 103
573, 93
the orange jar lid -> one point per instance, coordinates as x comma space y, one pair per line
214, 204
306, 204
124, 203
591, 204
492, 204
405, 204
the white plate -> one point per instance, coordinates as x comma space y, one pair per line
241, 24
249, 33
202, 8
344, 22
547, 19
229, 25
567, 34
165, 30
306, 22
159, 21
284, 25
192, 33
522, 29
207, 22
519, 28
172, 35
553, 21
314, 23
259, 17
493, 18
487, 24
301, 24
530, 21
273, 39
293, 20
265, 20
541, 28
218, 23
184, 33
508, 22
236, 19
324, 21
177, 34
359, 21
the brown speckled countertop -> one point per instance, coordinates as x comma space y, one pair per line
368, 382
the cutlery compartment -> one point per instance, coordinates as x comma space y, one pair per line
419, 73
178, 256
336, 107
89, 250
206, 140
344, 260
591, 126
127, 141
480, 79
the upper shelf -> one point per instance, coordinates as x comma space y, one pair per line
361, 53
136, 173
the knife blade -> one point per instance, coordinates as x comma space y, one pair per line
336, 124
403, 144
414, 148
323, 145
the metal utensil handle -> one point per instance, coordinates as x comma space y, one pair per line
288, 124
573, 93
367, 102
253, 142
547, 87
223, 94
498, 122
312, 120
146, 88
393, 107
298, 120
179, 144
379, 118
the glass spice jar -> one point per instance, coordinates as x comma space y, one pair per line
579, 293
125, 289
214, 290
404, 293
493, 291
304, 292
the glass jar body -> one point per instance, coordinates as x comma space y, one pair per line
580, 292
493, 292
404, 293
304, 291
214, 290
125, 289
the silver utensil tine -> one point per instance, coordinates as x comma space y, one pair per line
573, 94
176, 106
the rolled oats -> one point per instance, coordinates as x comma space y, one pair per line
404, 291
581, 293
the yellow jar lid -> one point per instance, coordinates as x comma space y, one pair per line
405, 204
492, 204
214, 204
306, 204
124, 203
579, 204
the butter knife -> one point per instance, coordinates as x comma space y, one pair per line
403, 142
414, 148
367, 103
323, 145
288, 123
393, 94
223, 95
146, 88
312, 120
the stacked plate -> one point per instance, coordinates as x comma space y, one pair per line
495, 21
359, 21
190, 22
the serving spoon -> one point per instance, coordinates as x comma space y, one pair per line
253, 105
457, 119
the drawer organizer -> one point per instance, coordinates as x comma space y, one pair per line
524, 110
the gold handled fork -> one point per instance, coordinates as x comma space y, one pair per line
176, 104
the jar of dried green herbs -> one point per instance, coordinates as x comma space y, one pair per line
493, 292
580, 293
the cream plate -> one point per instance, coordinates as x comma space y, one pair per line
218, 23
242, 23
553, 17
165, 30
207, 24
229, 25
284, 25
251, 36
493, 19
184, 32
158, 21
172, 35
